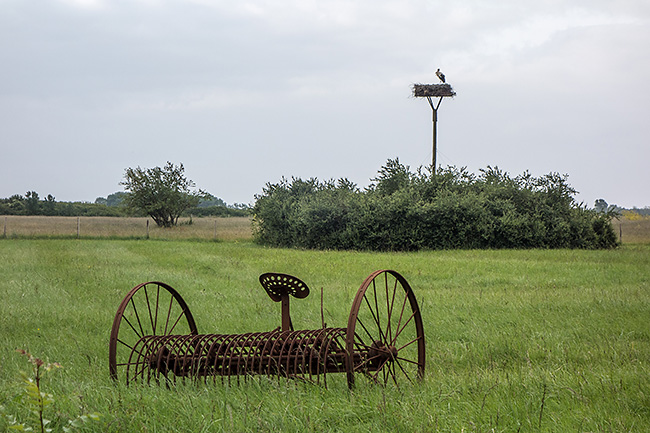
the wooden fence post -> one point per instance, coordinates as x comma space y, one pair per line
620, 231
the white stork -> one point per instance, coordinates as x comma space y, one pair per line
440, 75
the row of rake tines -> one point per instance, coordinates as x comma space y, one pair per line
305, 354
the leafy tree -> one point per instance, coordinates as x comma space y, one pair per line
162, 193
610, 210
601, 205
32, 204
392, 177
14, 205
49, 205
112, 200
115, 199
210, 200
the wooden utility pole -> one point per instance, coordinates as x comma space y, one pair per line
433, 91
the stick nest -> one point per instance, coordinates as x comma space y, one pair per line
432, 90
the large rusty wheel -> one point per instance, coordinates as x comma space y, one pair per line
151, 308
385, 337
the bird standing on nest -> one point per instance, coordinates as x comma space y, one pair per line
440, 75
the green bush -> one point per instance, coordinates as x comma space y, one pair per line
406, 211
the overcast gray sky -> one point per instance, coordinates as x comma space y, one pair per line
245, 92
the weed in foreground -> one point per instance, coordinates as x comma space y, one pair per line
36, 400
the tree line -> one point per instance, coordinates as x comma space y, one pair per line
404, 210
113, 205
32, 204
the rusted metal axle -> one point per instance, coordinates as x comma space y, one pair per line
154, 337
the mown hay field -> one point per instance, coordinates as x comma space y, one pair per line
633, 231
516, 341
232, 228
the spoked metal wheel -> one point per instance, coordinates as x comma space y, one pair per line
151, 308
385, 336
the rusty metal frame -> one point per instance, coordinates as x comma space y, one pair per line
157, 338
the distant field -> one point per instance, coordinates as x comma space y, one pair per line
233, 228
633, 231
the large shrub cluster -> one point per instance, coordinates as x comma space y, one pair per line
405, 211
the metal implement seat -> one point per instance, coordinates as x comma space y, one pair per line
279, 287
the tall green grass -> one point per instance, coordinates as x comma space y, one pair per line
526, 340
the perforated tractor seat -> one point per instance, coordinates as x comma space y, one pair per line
277, 285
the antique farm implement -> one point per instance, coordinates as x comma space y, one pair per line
155, 338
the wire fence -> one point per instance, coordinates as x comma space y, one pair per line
635, 231
207, 228
231, 228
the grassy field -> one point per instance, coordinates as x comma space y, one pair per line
530, 341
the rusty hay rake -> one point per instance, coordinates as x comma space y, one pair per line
154, 337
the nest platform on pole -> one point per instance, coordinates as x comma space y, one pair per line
430, 91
